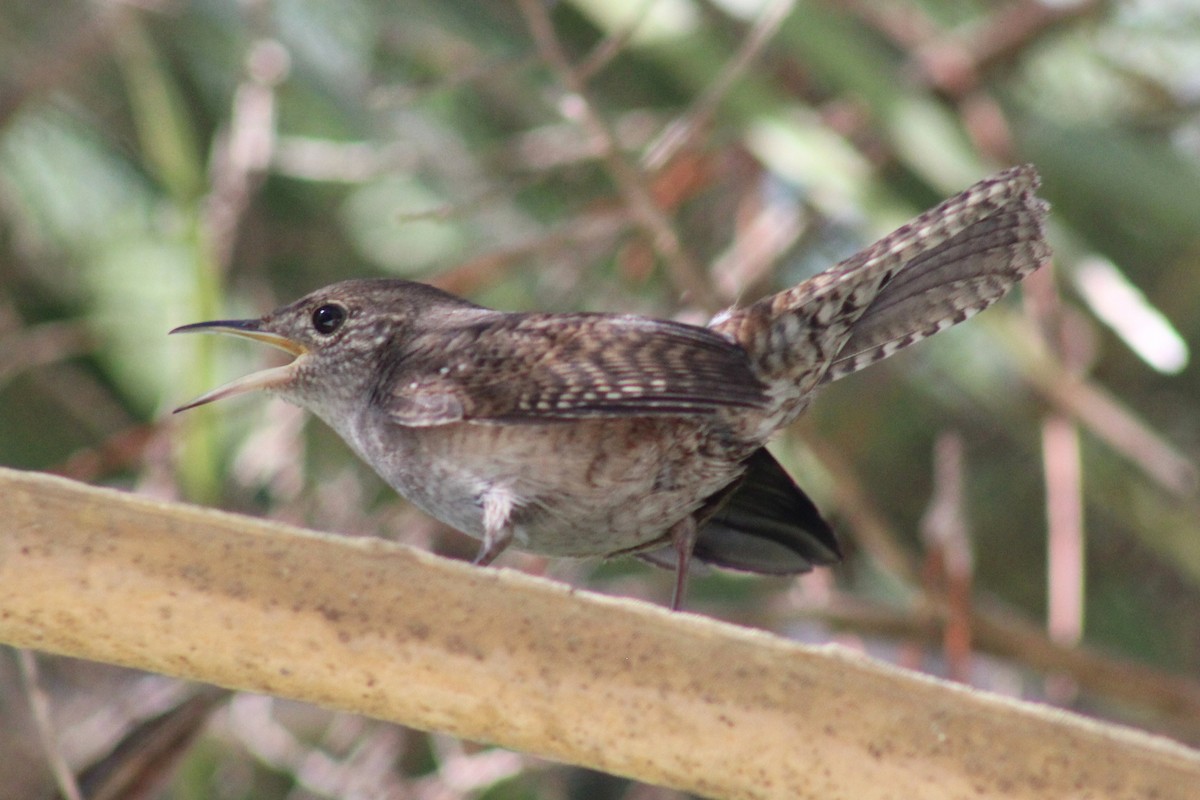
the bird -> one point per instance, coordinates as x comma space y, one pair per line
604, 434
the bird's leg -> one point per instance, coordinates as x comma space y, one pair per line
497, 525
491, 547
683, 540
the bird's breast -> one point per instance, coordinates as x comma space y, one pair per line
580, 487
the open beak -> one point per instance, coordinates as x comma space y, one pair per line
263, 379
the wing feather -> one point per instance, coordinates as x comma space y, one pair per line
541, 367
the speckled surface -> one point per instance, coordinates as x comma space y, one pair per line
492, 655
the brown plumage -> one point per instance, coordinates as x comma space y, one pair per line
597, 434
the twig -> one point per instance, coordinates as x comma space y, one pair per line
871, 530
687, 276
39, 704
955, 62
1101, 414
1064, 524
146, 756
611, 45
40, 345
682, 131
1063, 474
239, 165
949, 565
595, 227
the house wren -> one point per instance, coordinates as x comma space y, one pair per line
601, 434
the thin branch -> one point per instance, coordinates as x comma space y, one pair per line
683, 131
955, 62
687, 276
146, 756
871, 529
608, 49
40, 345
1063, 467
240, 163
593, 229
39, 704
1101, 414
949, 561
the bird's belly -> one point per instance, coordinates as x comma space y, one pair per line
579, 488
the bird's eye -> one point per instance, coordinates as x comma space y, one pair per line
328, 318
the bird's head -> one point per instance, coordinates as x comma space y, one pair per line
340, 335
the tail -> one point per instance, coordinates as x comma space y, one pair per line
951, 262
766, 525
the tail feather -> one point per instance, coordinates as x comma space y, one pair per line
944, 266
766, 525
947, 284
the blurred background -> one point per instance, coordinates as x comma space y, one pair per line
1017, 497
